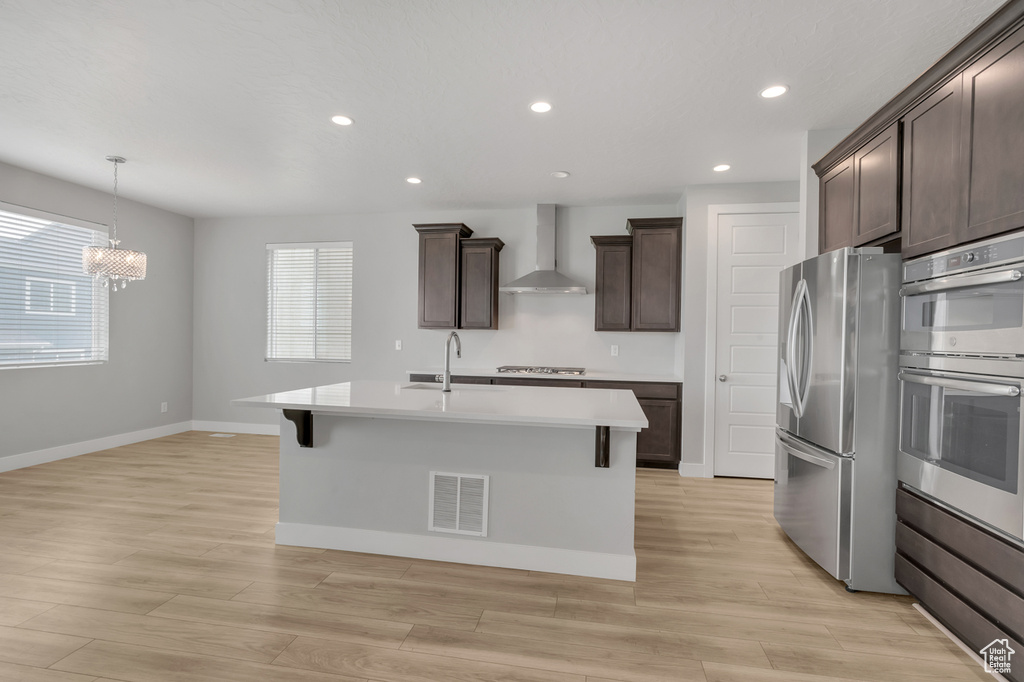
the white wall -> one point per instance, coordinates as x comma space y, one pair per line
813, 146
697, 200
230, 303
150, 331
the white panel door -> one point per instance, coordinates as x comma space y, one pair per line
752, 250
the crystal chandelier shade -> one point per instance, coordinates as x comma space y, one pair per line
114, 266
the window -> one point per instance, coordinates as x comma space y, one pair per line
51, 313
309, 301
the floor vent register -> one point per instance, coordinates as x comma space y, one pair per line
458, 503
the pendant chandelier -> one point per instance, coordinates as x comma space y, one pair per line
114, 266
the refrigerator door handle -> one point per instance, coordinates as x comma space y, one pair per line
791, 351
801, 452
807, 331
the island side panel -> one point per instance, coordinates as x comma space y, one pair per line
365, 484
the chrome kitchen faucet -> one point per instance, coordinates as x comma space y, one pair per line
447, 388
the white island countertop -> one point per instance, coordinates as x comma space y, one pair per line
525, 405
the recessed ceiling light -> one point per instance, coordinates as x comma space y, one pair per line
342, 120
413, 181
774, 91
721, 167
540, 107
560, 174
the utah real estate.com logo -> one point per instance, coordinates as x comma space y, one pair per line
997, 656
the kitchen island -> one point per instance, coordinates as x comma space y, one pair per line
536, 478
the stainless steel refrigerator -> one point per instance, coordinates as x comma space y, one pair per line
838, 413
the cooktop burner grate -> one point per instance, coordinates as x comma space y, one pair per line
525, 369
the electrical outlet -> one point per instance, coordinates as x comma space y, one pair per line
163, 407
398, 344
615, 350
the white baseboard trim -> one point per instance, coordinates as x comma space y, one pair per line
463, 551
694, 470
237, 427
27, 459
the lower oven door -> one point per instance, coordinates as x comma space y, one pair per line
812, 501
961, 442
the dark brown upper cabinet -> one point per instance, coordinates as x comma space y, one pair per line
860, 196
639, 277
932, 193
478, 293
876, 183
657, 273
613, 290
835, 228
992, 124
439, 274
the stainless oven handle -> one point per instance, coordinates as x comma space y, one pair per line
973, 386
961, 281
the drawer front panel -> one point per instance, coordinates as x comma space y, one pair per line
527, 381
966, 623
640, 390
1002, 561
989, 597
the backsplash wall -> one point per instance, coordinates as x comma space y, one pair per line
230, 303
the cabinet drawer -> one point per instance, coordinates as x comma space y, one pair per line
988, 597
529, 381
1001, 560
967, 624
641, 389
433, 379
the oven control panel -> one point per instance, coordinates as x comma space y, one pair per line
983, 254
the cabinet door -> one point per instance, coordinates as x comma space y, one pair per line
439, 281
657, 273
876, 187
478, 306
613, 291
836, 211
932, 179
659, 442
992, 126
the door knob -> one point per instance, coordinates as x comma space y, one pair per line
721, 377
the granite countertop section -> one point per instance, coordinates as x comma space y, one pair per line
522, 405
591, 375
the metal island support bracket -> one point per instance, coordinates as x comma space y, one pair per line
303, 420
601, 447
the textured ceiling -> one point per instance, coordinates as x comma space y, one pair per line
222, 107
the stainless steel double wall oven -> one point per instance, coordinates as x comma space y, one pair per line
961, 378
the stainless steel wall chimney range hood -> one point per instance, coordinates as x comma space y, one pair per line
545, 279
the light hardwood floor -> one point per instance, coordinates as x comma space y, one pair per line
156, 562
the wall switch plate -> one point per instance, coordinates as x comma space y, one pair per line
615, 350
163, 407
398, 344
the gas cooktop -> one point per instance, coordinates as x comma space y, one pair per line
522, 369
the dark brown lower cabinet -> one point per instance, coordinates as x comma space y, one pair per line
656, 446
971, 580
659, 444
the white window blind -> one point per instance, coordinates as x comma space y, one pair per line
309, 301
51, 313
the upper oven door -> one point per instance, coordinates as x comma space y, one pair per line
960, 441
978, 313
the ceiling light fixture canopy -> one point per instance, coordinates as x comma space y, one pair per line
114, 265
560, 174
721, 168
540, 107
413, 181
342, 120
